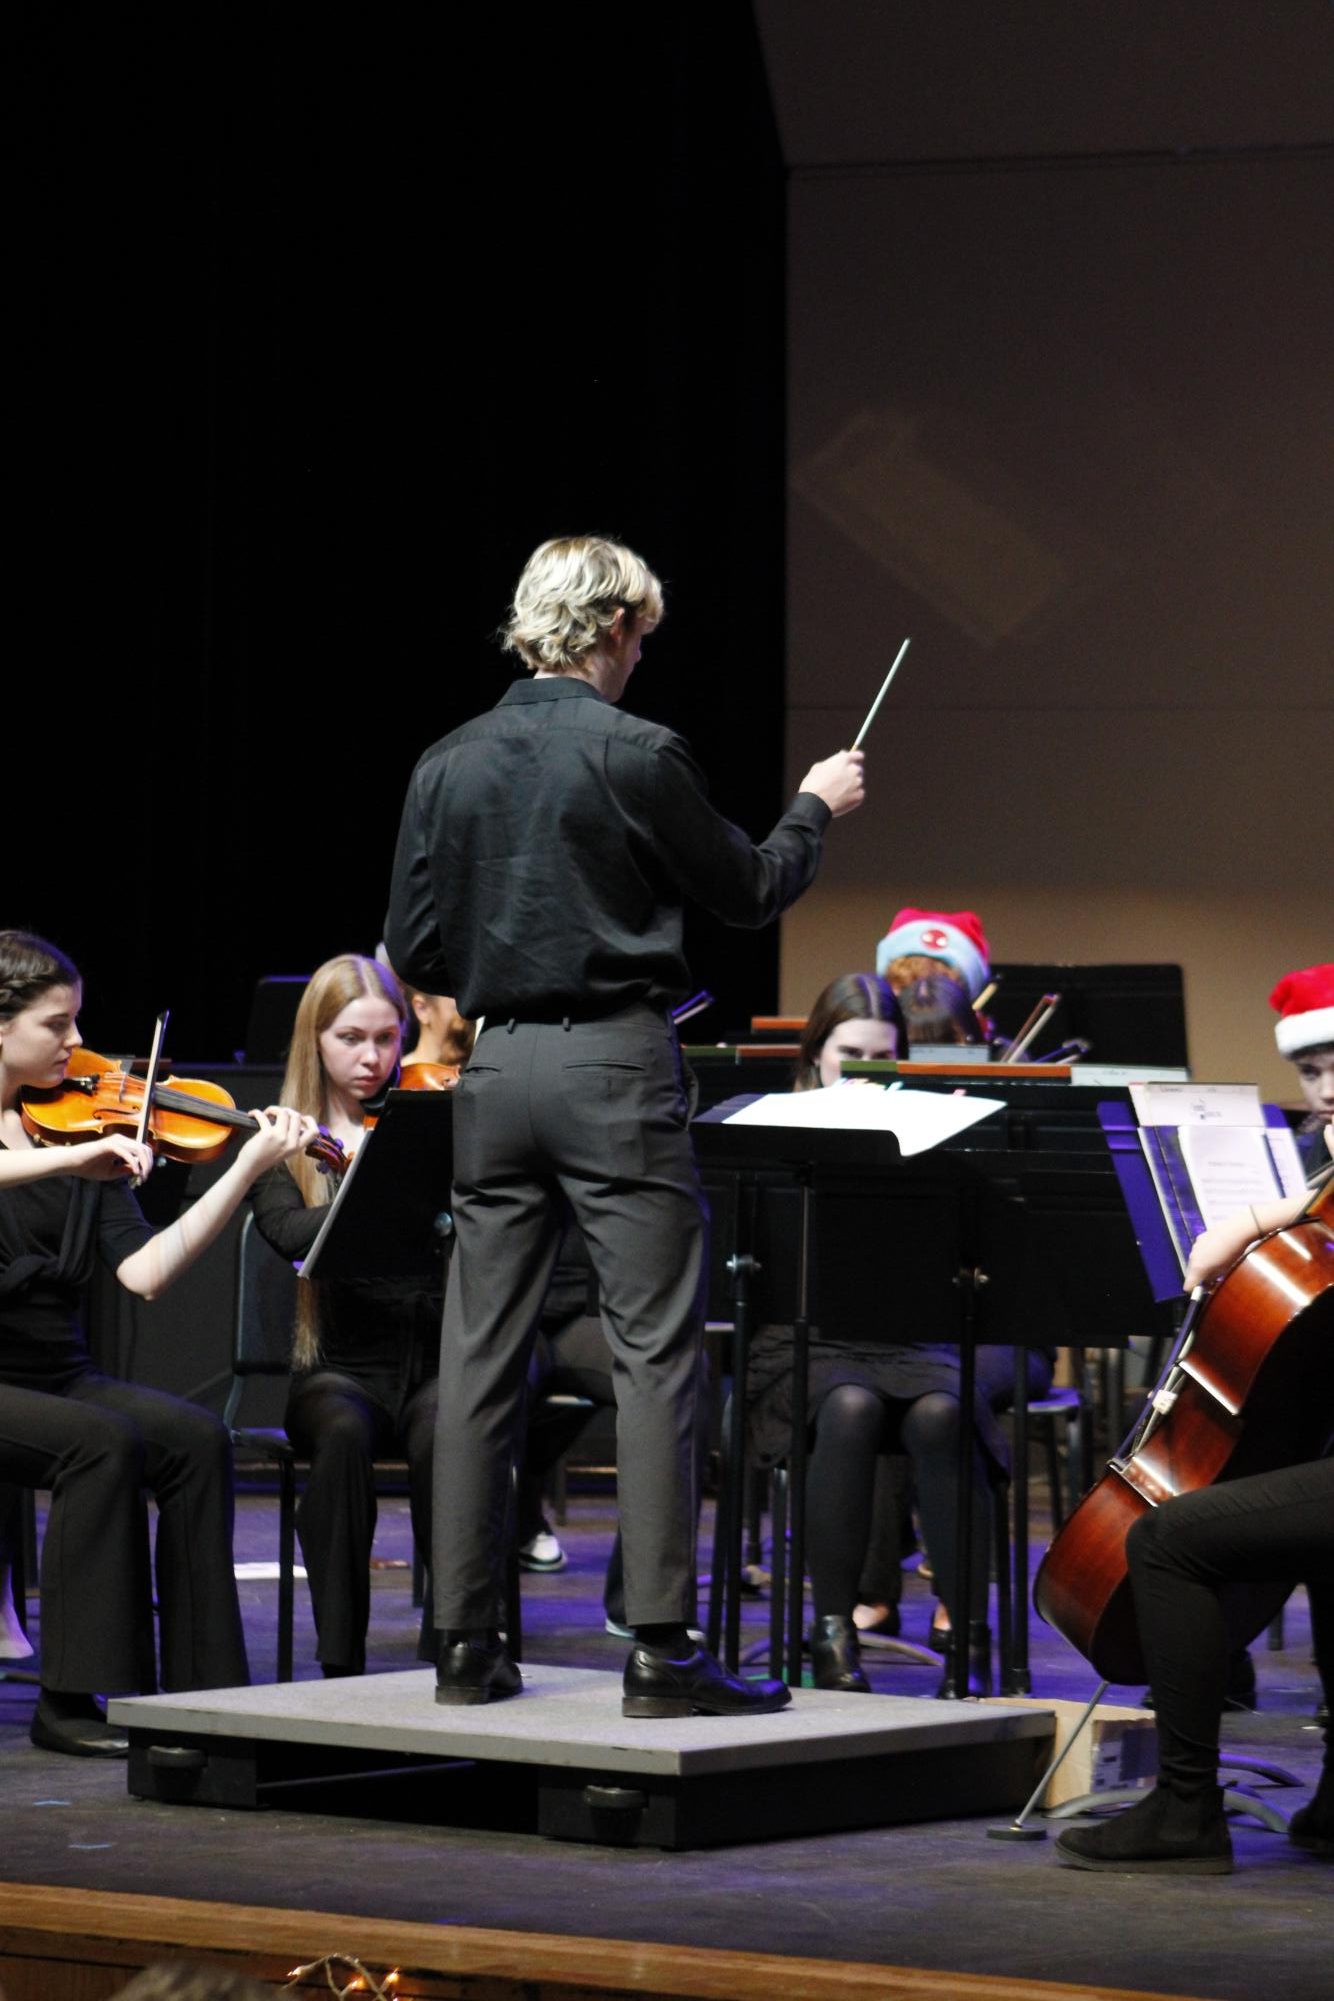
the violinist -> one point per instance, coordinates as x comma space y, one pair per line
1270, 1527
443, 1045
94, 1441
365, 1352
871, 1397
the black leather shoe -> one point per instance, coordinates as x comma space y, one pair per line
656, 1686
979, 1663
835, 1661
1160, 1834
88, 1736
475, 1671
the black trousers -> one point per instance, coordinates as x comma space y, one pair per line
98, 1446
594, 1111
1271, 1529
343, 1426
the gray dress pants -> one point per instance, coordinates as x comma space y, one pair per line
595, 1110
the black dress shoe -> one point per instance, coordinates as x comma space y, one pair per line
657, 1686
475, 1671
835, 1661
89, 1736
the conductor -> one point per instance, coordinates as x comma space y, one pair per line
545, 852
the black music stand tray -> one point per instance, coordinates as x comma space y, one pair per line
835, 1265
391, 1217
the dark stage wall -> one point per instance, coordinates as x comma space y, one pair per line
322, 322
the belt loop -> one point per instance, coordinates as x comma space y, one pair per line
565, 1023
509, 1026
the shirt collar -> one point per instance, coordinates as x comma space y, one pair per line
552, 688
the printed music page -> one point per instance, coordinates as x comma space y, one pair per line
918, 1120
1231, 1167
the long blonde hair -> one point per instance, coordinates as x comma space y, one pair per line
334, 986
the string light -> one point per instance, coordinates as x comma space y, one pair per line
363, 1981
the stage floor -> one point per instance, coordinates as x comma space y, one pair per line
936, 1894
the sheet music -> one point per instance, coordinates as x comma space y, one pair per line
1197, 1104
919, 1120
1232, 1167
305, 1268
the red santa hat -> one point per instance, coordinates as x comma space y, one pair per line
956, 936
1305, 1005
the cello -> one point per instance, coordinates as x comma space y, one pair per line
1249, 1387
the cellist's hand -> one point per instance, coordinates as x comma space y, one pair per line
1218, 1247
1223, 1243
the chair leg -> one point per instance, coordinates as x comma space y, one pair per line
778, 1555
713, 1630
513, 1604
1000, 1511
1057, 1493
286, 1568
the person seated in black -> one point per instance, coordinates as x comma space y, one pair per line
1183, 1556
97, 1443
868, 1397
365, 1353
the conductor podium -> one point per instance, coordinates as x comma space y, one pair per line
560, 1760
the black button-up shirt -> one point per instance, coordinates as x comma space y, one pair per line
547, 847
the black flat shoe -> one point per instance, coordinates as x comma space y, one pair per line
88, 1736
835, 1660
1159, 1835
475, 1671
657, 1686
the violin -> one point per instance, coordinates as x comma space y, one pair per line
420, 1075
191, 1119
1250, 1387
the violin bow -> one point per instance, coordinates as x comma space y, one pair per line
141, 1131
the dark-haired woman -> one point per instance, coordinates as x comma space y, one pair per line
871, 1397
97, 1443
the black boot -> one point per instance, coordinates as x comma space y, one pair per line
1162, 1832
1312, 1826
835, 1659
979, 1663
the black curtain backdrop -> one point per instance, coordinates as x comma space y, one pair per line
320, 323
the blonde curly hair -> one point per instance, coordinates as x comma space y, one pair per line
568, 596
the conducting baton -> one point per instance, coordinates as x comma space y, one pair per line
884, 690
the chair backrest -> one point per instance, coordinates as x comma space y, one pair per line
265, 1307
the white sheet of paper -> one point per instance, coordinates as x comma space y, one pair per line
919, 1120
1230, 1167
1197, 1104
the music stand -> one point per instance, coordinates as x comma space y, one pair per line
833, 1264
391, 1216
